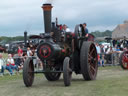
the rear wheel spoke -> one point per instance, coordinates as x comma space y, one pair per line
94, 70
92, 51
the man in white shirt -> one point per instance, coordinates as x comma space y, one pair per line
109, 53
98, 53
1, 64
98, 48
29, 52
65, 29
11, 64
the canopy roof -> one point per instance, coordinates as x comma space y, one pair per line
121, 31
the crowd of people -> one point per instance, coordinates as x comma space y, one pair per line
15, 62
110, 54
10, 64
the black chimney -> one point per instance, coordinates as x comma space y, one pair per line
25, 38
47, 17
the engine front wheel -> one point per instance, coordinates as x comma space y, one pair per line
67, 72
28, 72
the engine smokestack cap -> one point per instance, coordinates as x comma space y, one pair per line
47, 7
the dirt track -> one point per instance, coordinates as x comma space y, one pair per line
109, 82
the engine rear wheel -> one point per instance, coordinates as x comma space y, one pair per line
88, 60
28, 72
67, 72
124, 60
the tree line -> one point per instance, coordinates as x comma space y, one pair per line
21, 38
102, 34
6, 39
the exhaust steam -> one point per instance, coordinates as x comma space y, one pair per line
49, 1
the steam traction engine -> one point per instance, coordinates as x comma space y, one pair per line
62, 54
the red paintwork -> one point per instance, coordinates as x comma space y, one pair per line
48, 50
90, 37
125, 60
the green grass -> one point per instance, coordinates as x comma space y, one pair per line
111, 81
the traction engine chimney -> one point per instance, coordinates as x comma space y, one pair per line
47, 8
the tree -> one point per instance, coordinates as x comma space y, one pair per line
102, 34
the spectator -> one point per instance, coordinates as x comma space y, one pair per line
116, 54
29, 52
98, 48
124, 42
109, 55
98, 52
32, 48
1, 65
106, 49
10, 66
102, 52
118, 43
116, 49
125, 49
18, 62
114, 42
20, 51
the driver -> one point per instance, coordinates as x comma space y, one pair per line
85, 29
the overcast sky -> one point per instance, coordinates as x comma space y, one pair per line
16, 16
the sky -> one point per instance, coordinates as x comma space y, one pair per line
16, 16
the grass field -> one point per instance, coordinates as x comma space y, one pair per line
111, 81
